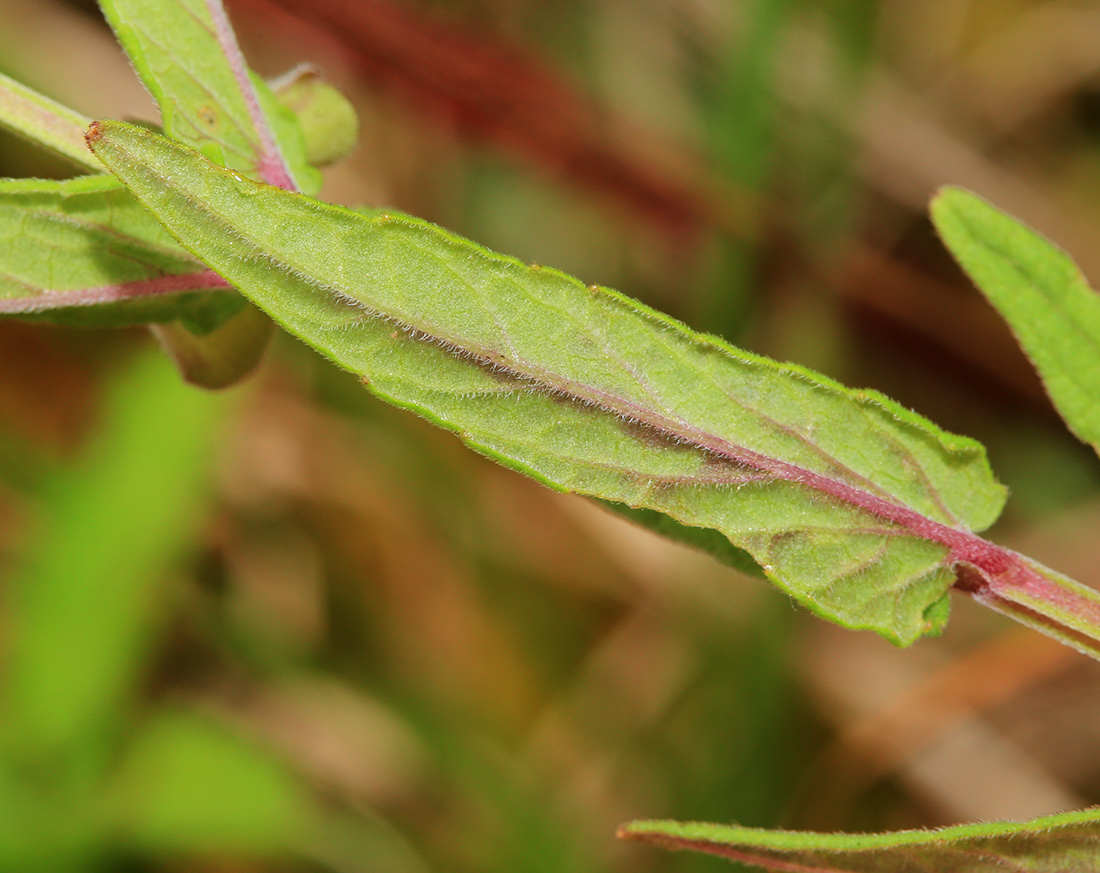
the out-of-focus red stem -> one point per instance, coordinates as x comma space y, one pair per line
495, 93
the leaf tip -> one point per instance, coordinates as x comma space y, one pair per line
93, 134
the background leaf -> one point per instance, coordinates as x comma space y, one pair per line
1041, 293
190, 786
91, 595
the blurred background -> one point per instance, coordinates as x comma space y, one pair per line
288, 628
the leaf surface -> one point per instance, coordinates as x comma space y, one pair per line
1040, 292
854, 505
1064, 843
187, 56
84, 252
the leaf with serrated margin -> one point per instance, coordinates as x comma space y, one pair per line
1065, 843
1040, 292
856, 506
85, 252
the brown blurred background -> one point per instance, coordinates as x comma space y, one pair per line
470, 673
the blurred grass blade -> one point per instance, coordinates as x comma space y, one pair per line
190, 786
1054, 844
46, 123
88, 599
1040, 292
856, 506
84, 252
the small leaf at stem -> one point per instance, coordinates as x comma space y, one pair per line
221, 357
854, 505
329, 123
1040, 292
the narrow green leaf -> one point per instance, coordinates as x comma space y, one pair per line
187, 56
46, 123
1055, 844
856, 506
1040, 292
84, 252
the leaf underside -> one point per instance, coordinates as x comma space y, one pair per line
832, 491
1064, 843
68, 246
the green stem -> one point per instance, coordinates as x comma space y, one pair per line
46, 123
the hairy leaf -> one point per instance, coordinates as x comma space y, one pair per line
856, 506
1064, 843
1041, 293
187, 56
84, 252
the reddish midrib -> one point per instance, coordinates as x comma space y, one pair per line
964, 546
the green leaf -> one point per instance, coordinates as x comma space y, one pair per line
84, 252
1055, 844
1040, 292
187, 56
45, 123
856, 506
189, 785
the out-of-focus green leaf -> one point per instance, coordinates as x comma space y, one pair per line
69, 248
45, 123
1040, 292
853, 504
328, 120
1055, 844
188, 785
87, 601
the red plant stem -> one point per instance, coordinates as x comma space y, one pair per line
473, 83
